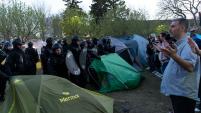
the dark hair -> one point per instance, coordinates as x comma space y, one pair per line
183, 21
163, 34
169, 39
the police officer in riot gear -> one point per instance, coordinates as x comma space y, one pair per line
32, 54
56, 62
16, 61
46, 52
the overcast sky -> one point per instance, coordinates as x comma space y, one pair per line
57, 6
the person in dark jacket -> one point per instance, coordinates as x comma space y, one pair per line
107, 47
75, 49
56, 62
7, 48
16, 61
32, 54
151, 53
65, 47
1, 44
92, 53
3, 76
46, 52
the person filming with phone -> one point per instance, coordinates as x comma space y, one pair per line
181, 76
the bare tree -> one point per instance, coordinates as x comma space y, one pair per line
20, 20
56, 25
179, 8
5, 22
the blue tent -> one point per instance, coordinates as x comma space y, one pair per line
142, 48
131, 48
137, 46
197, 39
121, 49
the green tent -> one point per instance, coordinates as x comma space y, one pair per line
51, 94
115, 73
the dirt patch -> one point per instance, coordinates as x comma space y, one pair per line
145, 99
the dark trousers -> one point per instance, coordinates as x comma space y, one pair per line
78, 80
182, 104
2, 87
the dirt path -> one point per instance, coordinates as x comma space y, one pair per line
145, 99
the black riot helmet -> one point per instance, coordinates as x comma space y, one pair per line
7, 45
17, 42
30, 44
49, 41
75, 38
56, 46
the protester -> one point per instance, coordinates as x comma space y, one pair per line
181, 76
164, 59
152, 52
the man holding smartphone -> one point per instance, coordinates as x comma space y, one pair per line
181, 76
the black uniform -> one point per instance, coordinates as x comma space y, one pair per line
7, 47
3, 76
56, 63
46, 52
65, 47
75, 49
57, 66
16, 63
32, 55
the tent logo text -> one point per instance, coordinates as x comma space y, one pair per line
69, 98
